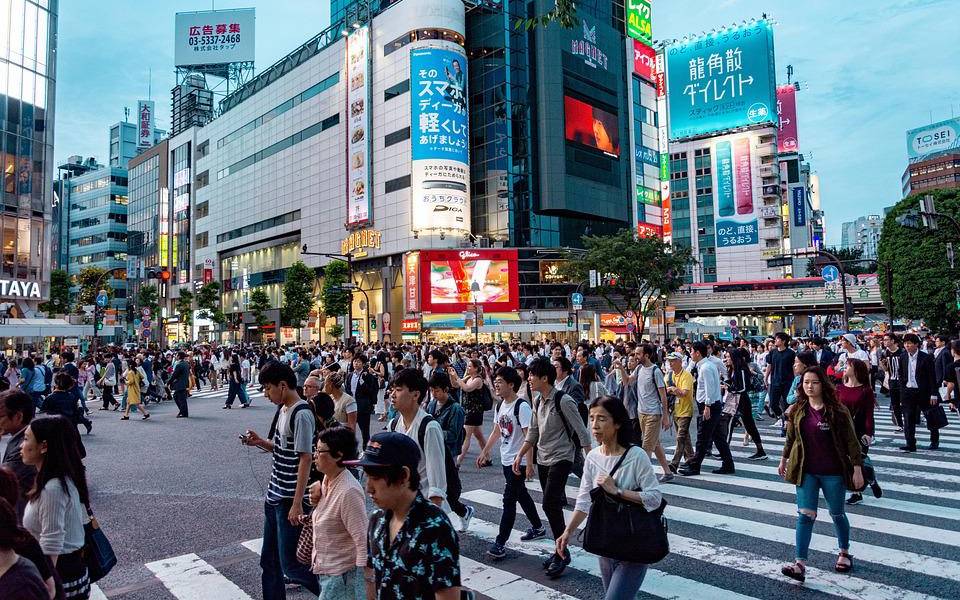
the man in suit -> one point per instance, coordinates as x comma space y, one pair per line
941, 357
179, 382
825, 356
918, 391
362, 384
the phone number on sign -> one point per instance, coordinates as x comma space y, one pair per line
207, 40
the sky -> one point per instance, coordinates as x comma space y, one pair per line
868, 72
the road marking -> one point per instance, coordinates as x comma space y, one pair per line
253, 545
503, 585
828, 582
96, 593
900, 459
188, 577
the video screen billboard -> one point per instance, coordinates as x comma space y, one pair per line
787, 134
588, 125
930, 139
448, 279
439, 142
214, 37
721, 80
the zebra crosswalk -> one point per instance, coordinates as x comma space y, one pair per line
729, 535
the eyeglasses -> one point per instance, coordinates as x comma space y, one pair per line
321, 451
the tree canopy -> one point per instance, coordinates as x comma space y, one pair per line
923, 282
298, 293
258, 305
148, 297
184, 308
336, 302
91, 280
59, 302
852, 259
633, 272
208, 301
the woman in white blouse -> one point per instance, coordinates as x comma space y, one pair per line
634, 481
57, 505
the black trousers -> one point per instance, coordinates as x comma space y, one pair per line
711, 432
363, 422
553, 481
745, 409
912, 404
778, 397
895, 402
108, 399
180, 397
515, 491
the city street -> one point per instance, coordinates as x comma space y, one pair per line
181, 501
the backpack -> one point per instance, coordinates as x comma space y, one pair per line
432, 411
454, 487
47, 378
578, 457
319, 425
516, 408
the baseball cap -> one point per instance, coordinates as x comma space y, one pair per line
674, 356
388, 449
850, 338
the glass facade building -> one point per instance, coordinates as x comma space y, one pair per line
27, 84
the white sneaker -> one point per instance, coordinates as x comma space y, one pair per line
465, 519
779, 423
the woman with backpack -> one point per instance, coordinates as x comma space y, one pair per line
476, 400
31, 380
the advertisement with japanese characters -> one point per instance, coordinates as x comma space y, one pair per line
721, 81
214, 37
924, 141
644, 60
145, 123
639, 20
736, 214
439, 142
787, 135
358, 128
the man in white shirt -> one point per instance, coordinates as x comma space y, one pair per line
849, 349
710, 404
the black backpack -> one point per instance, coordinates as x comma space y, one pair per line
319, 425
47, 378
454, 487
578, 458
516, 408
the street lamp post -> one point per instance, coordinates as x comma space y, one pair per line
474, 290
236, 312
663, 305
349, 258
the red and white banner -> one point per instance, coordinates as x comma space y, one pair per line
787, 135
644, 60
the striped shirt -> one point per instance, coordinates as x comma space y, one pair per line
340, 526
288, 444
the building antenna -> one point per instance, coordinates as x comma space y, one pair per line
150, 85
789, 74
126, 113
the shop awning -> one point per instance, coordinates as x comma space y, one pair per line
47, 328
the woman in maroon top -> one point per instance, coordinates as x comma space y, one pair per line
856, 394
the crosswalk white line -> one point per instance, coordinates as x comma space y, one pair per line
96, 593
828, 582
656, 583
503, 585
898, 458
189, 577
253, 545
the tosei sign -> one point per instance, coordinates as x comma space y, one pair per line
924, 141
214, 37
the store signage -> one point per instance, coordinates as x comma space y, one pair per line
608, 320
639, 22
411, 281
358, 128
11, 288
410, 326
145, 110
647, 155
924, 141
358, 242
552, 271
586, 48
214, 37
649, 230
799, 198
736, 222
439, 144
644, 61
787, 117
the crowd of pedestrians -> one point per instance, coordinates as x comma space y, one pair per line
398, 422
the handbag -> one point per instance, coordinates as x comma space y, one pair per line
305, 542
624, 530
97, 552
730, 403
936, 418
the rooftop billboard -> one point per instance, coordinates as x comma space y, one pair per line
933, 138
214, 37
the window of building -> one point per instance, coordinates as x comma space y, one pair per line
396, 137
201, 240
421, 34
283, 219
203, 148
394, 185
396, 90
203, 179
202, 209
283, 144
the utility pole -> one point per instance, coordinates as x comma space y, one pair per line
349, 258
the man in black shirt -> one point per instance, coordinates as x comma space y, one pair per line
891, 364
779, 374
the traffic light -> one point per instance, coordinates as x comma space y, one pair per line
373, 323
151, 273
570, 320
164, 275
613, 281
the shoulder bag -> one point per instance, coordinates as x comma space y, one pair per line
624, 530
305, 542
97, 552
936, 417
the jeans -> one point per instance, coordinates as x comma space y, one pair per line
712, 433
244, 398
553, 481
621, 579
778, 396
349, 586
684, 449
514, 491
278, 557
808, 492
234, 392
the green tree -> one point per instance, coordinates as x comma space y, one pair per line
336, 302
59, 293
258, 305
563, 13
91, 280
298, 294
149, 297
923, 282
634, 272
184, 308
852, 259
208, 301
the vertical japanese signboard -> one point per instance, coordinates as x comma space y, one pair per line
358, 128
439, 141
145, 118
411, 282
799, 201
639, 23
644, 60
736, 217
659, 76
721, 81
787, 135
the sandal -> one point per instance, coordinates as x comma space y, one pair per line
844, 562
796, 571
124, 418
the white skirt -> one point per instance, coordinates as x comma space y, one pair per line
381, 408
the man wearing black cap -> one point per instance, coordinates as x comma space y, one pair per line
412, 547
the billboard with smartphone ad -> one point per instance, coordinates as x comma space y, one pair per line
452, 280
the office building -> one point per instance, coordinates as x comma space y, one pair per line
125, 143
28, 34
940, 171
863, 234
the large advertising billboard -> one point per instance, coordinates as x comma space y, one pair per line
788, 139
214, 37
930, 139
721, 81
644, 61
439, 144
358, 128
451, 281
736, 212
639, 20
145, 121
591, 126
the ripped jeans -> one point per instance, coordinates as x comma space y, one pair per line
808, 495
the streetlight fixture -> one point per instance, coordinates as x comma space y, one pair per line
349, 258
474, 290
236, 311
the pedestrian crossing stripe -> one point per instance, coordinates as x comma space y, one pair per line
189, 576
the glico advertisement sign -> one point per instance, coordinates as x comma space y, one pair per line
735, 209
439, 142
924, 141
452, 280
214, 37
721, 81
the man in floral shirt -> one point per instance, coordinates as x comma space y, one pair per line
412, 547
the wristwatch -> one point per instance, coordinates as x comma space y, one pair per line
619, 493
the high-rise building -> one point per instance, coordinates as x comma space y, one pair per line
124, 143
863, 234
933, 153
28, 34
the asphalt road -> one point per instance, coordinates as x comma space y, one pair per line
179, 498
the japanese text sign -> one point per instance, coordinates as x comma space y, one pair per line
214, 37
